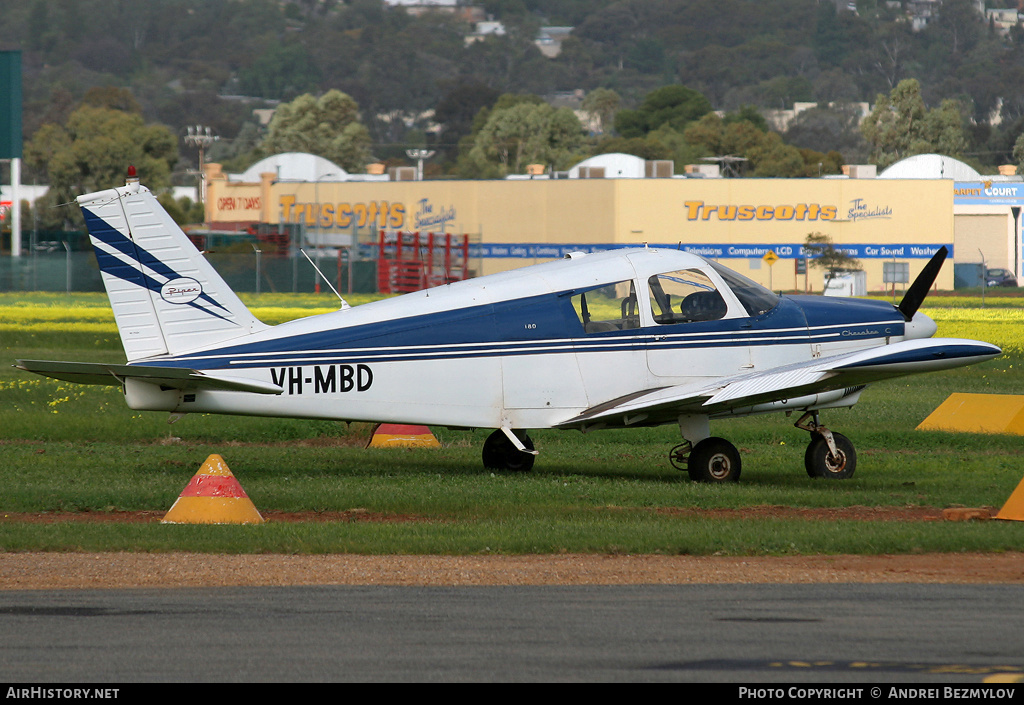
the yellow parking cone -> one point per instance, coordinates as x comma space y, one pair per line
213, 496
388, 435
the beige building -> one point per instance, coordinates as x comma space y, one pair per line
755, 226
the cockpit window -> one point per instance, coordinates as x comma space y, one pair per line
608, 307
685, 296
755, 298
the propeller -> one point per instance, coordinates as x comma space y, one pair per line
914, 297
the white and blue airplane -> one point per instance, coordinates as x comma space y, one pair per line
625, 338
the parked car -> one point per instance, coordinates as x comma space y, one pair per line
999, 277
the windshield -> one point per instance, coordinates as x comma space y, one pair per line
755, 298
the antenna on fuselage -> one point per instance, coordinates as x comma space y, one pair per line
344, 303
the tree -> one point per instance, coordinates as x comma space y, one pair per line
826, 128
602, 102
1018, 153
901, 126
327, 126
675, 106
767, 154
958, 27
457, 109
94, 150
282, 71
824, 255
644, 147
112, 97
528, 133
770, 157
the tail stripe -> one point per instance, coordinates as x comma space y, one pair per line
132, 270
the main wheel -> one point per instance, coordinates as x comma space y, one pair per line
820, 462
714, 460
500, 454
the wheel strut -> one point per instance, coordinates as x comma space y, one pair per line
680, 455
809, 422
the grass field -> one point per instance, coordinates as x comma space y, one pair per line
79, 448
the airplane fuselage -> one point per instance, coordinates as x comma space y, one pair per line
494, 352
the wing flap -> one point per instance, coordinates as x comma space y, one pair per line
170, 377
771, 383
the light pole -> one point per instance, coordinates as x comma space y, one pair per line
419, 155
258, 253
202, 137
67, 267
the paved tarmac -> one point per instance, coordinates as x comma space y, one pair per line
865, 633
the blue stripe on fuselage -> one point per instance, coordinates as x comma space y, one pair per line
538, 325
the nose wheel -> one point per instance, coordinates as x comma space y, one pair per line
830, 455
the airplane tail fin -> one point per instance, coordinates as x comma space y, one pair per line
167, 298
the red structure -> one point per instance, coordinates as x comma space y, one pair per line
410, 261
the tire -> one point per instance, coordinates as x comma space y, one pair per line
820, 463
500, 454
714, 460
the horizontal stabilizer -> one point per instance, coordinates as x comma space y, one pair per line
169, 377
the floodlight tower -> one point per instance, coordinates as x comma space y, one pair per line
419, 155
202, 137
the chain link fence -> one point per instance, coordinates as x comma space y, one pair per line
64, 261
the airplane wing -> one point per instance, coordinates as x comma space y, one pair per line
844, 371
168, 377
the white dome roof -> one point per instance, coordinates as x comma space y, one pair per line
294, 166
930, 166
616, 166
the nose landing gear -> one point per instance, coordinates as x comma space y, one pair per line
829, 454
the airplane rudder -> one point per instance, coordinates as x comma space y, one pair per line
193, 302
125, 281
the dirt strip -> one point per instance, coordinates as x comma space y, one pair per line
854, 513
38, 571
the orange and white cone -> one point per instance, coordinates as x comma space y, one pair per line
213, 496
389, 435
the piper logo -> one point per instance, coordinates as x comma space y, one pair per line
183, 290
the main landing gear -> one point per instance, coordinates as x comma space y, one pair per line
711, 460
500, 453
715, 460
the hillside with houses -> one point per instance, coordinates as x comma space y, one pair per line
421, 71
